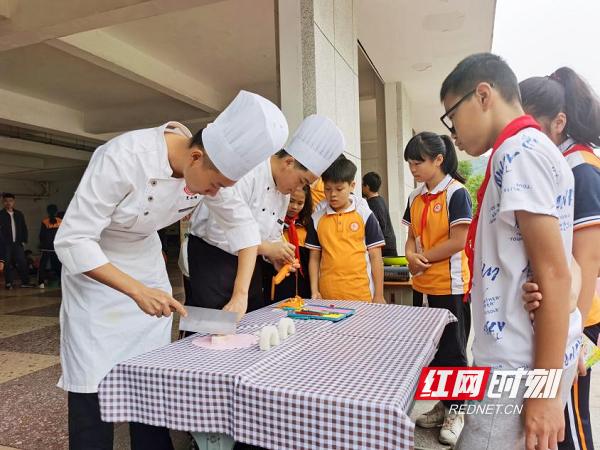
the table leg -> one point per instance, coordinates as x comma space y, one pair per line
213, 441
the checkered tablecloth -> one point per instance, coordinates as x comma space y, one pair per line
345, 385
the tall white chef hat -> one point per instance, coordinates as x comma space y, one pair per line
317, 143
245, 134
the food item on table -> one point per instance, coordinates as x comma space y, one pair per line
286, 328
292, 303
283, 272
269, 337
220, 338
226, 342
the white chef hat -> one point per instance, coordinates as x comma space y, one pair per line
245, 134
317, 143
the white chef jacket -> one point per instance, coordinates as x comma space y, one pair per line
260, 196
126, 194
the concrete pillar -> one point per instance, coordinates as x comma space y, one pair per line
318, 65
398, 132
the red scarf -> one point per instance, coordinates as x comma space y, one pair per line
427, 199
293, 236
510, 130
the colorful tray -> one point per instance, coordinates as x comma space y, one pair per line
316, 312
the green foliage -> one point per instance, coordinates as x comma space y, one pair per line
472, 185
465, 168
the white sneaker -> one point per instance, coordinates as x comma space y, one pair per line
41, 286
432, 418
453, 425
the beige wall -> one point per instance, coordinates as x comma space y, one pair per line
318, 65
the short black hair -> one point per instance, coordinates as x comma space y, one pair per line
282, 154
197, 142
372, 180
479, 68
8, 195
341, 170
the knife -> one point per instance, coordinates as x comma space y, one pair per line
209, 321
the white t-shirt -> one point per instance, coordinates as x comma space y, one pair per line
528, 173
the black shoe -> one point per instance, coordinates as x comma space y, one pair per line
8, 286
27, 285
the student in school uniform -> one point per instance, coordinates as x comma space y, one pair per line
117, 300
220, 272
569, 113
297, 219
438, 215
522, 228
345, 241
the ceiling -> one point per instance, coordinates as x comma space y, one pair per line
420, 42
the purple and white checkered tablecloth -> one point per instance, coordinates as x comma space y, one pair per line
345, 385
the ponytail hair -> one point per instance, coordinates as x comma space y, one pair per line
427, 145
565, 91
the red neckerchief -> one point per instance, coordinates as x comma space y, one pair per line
293, 236
427, 199
578, 148
510, 130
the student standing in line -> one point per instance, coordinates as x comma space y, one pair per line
297, 220
523, 227
117, 300
345, 240
438, 216
569, 113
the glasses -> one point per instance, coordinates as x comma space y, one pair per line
446, 120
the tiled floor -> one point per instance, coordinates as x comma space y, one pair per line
33, 410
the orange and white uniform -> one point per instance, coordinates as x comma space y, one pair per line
430, 216
344, 239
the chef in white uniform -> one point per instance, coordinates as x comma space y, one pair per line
216, 261
117, 299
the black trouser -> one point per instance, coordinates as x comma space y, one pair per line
88, 432
577, 410
452, 351
15, 255
212, 276
48, 255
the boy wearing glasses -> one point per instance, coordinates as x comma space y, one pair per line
522, 228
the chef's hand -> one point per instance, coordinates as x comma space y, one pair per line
279, 252
317, 296
157, 303
238, 304
1, 266
295, 266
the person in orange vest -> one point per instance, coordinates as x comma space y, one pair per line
48, 231
438, 215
